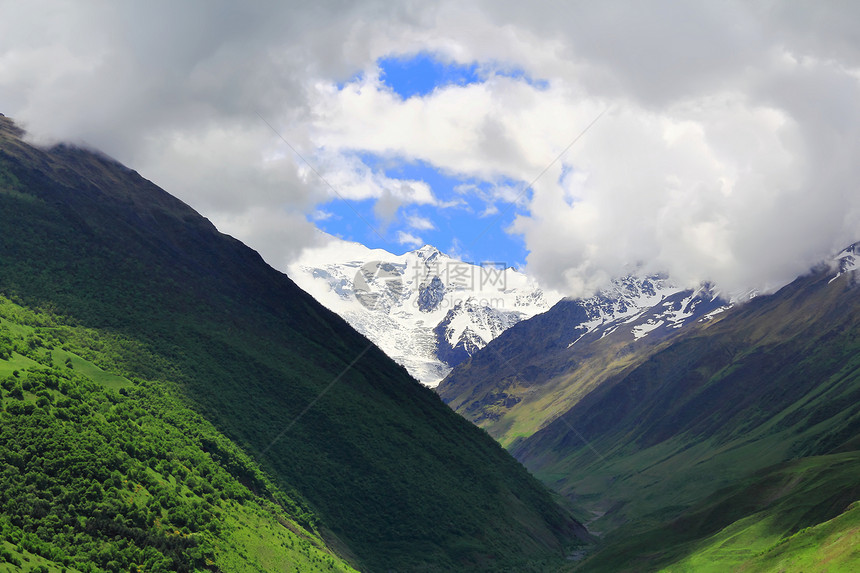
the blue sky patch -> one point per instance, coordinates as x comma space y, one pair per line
467, 224
420, 74
461, 228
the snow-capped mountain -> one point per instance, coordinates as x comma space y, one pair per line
847, 261
426, 310
637, 307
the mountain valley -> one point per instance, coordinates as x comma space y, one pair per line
741, 427
172, 403
169, 402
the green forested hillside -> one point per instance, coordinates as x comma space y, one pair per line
106, 473
394, 478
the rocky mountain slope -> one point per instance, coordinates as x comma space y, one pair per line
426, 310
523, 379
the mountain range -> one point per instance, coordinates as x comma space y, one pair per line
171, 403
426, 310
698, 434
507, 388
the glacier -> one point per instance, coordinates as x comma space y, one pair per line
426, 310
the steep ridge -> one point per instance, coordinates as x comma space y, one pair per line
325, 413
426, 310
541, 367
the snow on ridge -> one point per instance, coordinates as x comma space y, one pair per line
847, 261
440, 309
623, 301
398, 300
642, 330
644, 305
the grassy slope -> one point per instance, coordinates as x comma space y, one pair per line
379, 457
831, 546
796, 516
145, 434
560, 393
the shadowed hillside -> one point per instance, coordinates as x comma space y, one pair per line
395, 479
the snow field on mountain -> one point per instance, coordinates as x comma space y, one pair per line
398, 301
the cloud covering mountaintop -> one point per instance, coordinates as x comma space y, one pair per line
727, 149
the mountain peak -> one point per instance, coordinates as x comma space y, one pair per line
425, 286
848, 260
427, 251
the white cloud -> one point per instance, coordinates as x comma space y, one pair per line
420, 223
488, 130
707, 171
322, 215
278, 236
489, 211
409, 239
728, 152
